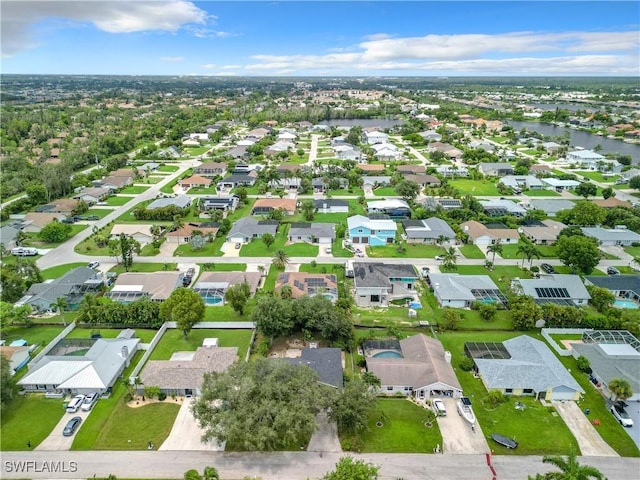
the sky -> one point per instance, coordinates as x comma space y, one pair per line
321, 38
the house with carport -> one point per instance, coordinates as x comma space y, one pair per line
429, 230
247, 229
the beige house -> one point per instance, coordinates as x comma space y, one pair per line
36, 221
480, 234
131, 286
140, 233
543, 233
185, 233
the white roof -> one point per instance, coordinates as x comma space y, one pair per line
586, 155
556, 182
390, 203
362, 221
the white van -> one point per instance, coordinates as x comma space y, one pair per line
74, 405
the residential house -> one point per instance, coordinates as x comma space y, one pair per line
433, 203
227, 203
430, 136
449, 150
331, 205
452, 171
317, 233
363, 230
462, 291
611, 354
286, 184
158, 286
374, 137
423, 180
179, 201
523, 366
588, 159
113, 182
348, 152
237, 180
239, 152
321, 184
386, 152
411, 169
34, 222
200, 137
190, 143
172, 152
72, 287
622, 286
559, 185
480, 234
431, 230
553, 288
8, 235
482, 145
247, 229
543, 232
264, 206
185, 233
95, 371
539, 169
18, 357
420, 367
369, 168
285, 169
629, 174
499, 208
521, 182
551, 147
139, 232
148, 168
326, 362
65, 206
309, 284
376, 284
212, 286
195, 181
551, 207
211, 169
376, 180
499, 169
184, 373
92, 195
612, 202
612, 237
394, 208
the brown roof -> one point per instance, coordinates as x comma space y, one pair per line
212, 166
371, 168
288, 204
40, 219
122, 172
158, 285
540, 168
196, 180
183, 374
422, 179
189, 228
476, 229
64, 205
116, 181
9, 352
411, 168
612, 202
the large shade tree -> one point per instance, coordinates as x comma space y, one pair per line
261, 405
185, 307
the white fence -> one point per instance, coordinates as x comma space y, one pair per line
547, 332
147, 354
52, 344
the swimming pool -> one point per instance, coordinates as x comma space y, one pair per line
212, 300
625, 304
388, 354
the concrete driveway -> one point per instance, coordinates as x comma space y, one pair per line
229, 249
185, 433
325, 438
55, 440
457, 436
589, 440
633, 409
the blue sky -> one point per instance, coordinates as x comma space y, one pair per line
288, 38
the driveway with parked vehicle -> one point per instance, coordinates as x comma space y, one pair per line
57, 440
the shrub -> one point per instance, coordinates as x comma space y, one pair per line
162, 396
466, 364
583, 364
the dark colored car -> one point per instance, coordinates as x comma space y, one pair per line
547, 268
186, 280
72, 426
613, 271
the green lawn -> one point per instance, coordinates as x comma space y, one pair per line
168, 168
88, 245
385, 192
471, 251
145, 267
412, 250
257, 247
59, 270
29, 417
541, 193
193, 151
117, 201
224, 267
33, 335
134, 189
211, 190
475, 187
351, 192
598, 176
269, 284
633, 251
211, 249
144, 334
34, 240
173, 341
511, 252
501, 275
403, 429
99, 212
331, 217
339, 252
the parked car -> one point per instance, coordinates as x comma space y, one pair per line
92, 217
71, 426
359, 253
74, 405
439, 258
93, 264
238, 245
89, 401
327, 250
439, 408
547, 268
186, 280
613, 271
621, 415
425, 271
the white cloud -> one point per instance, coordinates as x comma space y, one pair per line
209, 65
113, 16
202, 32
172, 59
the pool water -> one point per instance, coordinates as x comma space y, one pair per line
213, 300
388, 354
625, 304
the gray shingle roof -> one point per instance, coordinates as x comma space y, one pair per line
611, 234
330, 202
369, 274
428, 228
616, 282
180, 201
327, 362
572, 283
608, 367
249, 226
451, 286
319, 230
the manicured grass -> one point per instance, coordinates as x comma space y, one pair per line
35, 335
144, 334
134, 189
29, 417
538, 429
196, 150
209, 250
412, 250
224, 267
34, 240
211, 190
224, 313
598, 176
385, 191
558, 338
118, 201
352, 192
301, 250
59, 270
501, 275
331, 217
475, 187
541, 193
338, 251
633, 251
168, 168
257, 247
471, 251
511, 252
151, 180
402, 431
88, 245
173, 341
145, 267
269, 284
99, 212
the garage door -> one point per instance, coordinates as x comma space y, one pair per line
561, 393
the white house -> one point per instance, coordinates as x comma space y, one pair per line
609, 237
374, 137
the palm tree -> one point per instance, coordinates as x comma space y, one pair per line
210, 473
442, 239
620, 388
86, 312
60, 304
370, 379
570, 469
177, 223
529, 251
280, 259
449, 259
495, 248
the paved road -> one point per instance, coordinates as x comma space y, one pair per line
287, 465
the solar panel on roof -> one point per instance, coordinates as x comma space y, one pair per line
552, 292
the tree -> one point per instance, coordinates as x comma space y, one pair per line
370, 379
349, 469
261, 405
352, 407
570, 469
579, 253
450, 259
185, 307
280, 259
128, 246
273, 317
238, 295
268, 240
407, 189
586, 189
583, 364
211, 473
601, 298
7, 383
634, 182
450, 319
308, 210
11, 315
583, 213
607, 193
524, 312
192, 475
493, 249
55, 232
60, 305
620, 389
528, 251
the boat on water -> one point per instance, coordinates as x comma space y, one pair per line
465, 410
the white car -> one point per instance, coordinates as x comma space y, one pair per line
327, 250
439, 258
621, 415
74, 405
93, 264
439, 408
89, 401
